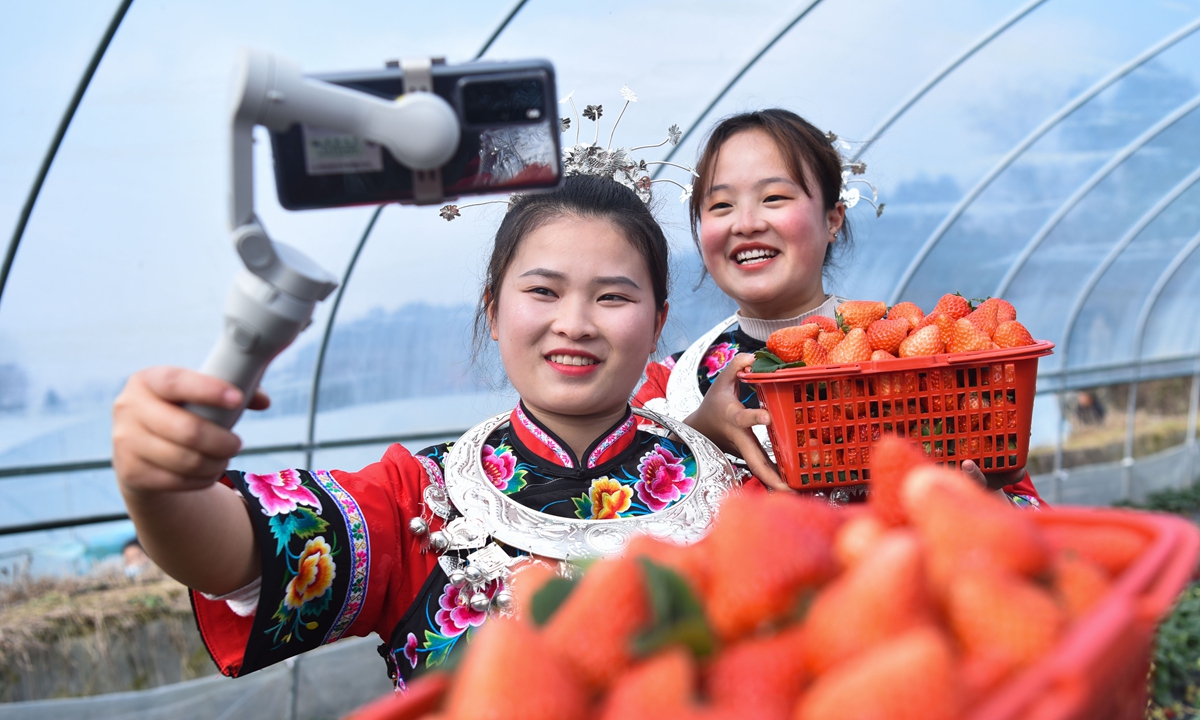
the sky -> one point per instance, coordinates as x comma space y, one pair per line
127, 257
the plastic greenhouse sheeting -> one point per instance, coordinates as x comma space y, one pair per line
323, 684
1044, 148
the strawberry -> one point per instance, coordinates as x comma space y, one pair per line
1004, 309
813, 353
892, 459
1078, 583
926, 341
1012, 334
912, 676
984, 318
663, 685
882, 355
857, 538
613, 589
510, 672
860, 313
525, 583
887, 334
1111, 547
956, 306
765, 673
827, 324
967, 338
830, 340
907, 311
962, 525
786, 343
853, 348
765, 550
691, 562
1002, 617
876, 600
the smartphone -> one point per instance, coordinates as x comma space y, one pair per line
510, 139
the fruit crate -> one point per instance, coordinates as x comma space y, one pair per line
966, 406
1097, 671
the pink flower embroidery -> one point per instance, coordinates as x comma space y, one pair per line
456, 614
500, 465
410, 650
280, 493
718, 357
663, 479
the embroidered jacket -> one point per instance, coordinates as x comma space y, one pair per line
721, 353
339, 559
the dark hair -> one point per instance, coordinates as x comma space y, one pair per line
808, 153
585, 196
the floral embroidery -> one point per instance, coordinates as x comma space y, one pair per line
432, 469
360, 542
664, 479
410, 650
606, 499
454, 618
718, 357
280, 493
314, 575
629, 424
564, 458
1024, 501
501, 467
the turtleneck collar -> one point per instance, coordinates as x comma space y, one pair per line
760, 329
542, 442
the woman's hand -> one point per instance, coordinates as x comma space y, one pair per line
993, 481
160, 447
167, 462
723, 419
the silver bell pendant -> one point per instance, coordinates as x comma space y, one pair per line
418, 526
458, 578
480, 602
438, 541
503, 601
474, 575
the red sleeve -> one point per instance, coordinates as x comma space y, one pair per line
655, 386
338, 560
1025, 487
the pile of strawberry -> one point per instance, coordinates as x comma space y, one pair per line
914, 606
867, 330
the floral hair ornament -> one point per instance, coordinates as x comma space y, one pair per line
617, 164
851, 195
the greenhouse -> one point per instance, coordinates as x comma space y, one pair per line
1042, 151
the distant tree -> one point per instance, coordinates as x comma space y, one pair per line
14, 388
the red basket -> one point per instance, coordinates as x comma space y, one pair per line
966, 406
1096, 672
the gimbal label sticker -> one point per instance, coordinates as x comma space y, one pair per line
328, 152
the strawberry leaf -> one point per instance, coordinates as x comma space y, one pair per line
677, 616
549, 597
766, 361
841, 321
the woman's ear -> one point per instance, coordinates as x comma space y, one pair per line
489, 305
660, 319
835, 219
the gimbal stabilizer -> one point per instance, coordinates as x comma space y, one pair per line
273, 299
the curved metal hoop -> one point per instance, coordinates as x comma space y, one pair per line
1019, 149
474, 495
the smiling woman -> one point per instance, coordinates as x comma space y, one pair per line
285, 562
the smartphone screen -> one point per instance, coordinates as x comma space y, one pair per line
510, 140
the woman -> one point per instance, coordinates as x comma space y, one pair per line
767, 218
285, 562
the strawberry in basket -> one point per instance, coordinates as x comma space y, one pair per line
955, 325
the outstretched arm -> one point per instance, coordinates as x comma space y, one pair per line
168, 462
